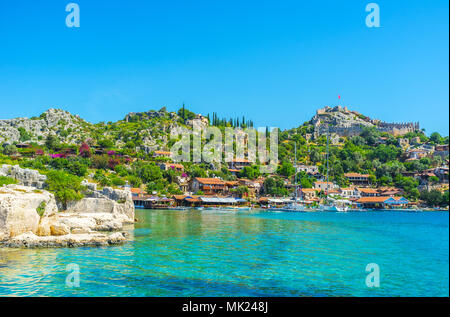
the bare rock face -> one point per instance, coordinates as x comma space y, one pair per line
59, 229
50, 120
116, 202
30, 218
21, 209
24, 176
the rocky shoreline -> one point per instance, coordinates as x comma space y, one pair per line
30, 218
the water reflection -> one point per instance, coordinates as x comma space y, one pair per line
209, 253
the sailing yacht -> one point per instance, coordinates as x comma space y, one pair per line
295, 205
332, 204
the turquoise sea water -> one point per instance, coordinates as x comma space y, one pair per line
258, 253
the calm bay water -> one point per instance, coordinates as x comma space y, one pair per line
258, 253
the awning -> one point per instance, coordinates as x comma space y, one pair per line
218, 200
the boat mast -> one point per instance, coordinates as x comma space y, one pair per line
295, 168
326, 185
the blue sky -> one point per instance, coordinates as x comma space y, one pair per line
275, 62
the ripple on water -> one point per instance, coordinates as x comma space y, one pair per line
194, 253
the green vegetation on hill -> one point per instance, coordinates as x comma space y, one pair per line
119, 153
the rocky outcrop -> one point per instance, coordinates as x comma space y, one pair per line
51, 122
30, 218
21, 209
344, 122
30, 240
24, 176
116, 202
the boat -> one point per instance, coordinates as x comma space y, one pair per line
340, 205
295, 205
178, 208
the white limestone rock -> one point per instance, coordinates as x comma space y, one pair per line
21, 209
30, 240
24, 176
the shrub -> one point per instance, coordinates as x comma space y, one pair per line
41, 208
9, 149
4, 180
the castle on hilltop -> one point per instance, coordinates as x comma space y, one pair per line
344, 122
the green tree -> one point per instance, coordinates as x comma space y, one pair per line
52, 142
274, 186
432, 198
250, 172
149, 173
435, 137
9, 149
24, 135
66, 187
286, 169
4, 180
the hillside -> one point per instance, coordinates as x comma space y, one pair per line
147, 129
115, 153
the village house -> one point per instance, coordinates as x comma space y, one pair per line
382, 202
230, 186
349, 193
183, 182
311, 170
254, 187
209, 186
309, 194
162, 154
367, 192
390, 191
238, 163
357, 178
325, 186
233, 171
173, 166
441, 150
442, 173
137, 192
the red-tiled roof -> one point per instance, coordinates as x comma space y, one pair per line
309, 190
372, 199
210, 181
355, 175
368, 190
163, 152
136, 190
240, 160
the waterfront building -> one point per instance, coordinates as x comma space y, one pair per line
309, 194
152, 202
137, 192
382, 202
357, 178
